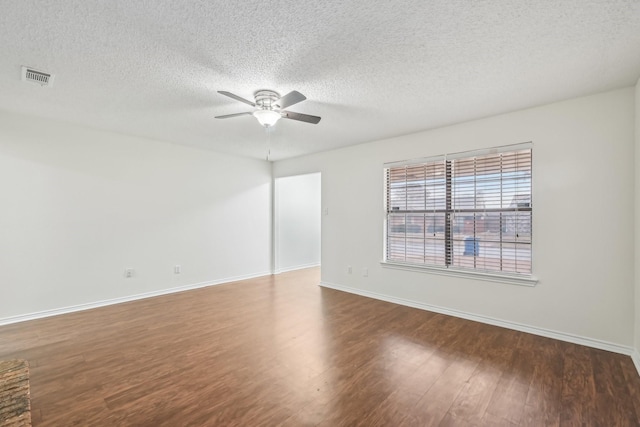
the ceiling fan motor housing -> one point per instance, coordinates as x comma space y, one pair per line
266, 99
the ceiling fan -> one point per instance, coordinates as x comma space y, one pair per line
270, 107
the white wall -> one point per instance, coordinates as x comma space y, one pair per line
79, 206
583, 192
637, 229
297, 221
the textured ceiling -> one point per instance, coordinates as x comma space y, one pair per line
371, 69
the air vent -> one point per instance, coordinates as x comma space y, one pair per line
39, 77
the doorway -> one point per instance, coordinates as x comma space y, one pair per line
297, 222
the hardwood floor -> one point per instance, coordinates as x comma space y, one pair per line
281, 350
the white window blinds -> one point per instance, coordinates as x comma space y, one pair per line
468, 210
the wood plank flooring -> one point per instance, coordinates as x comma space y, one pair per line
281, 350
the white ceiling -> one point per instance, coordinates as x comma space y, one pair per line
371, 69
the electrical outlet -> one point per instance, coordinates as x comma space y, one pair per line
365, 272
349, 269
177, 269
129, 272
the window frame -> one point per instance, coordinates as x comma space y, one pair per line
448, 268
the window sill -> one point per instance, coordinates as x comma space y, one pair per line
501, 278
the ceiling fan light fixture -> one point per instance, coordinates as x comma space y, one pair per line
267, 118
270, 107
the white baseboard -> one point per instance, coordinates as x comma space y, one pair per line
635, 356
562, 336
297, 267
89, 306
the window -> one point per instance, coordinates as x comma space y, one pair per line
464, 211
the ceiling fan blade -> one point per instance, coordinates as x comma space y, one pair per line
236, 97
300, 117
289, 99
227, 116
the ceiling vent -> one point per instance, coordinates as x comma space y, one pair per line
39, 77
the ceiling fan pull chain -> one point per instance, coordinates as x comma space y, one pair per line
268, 130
